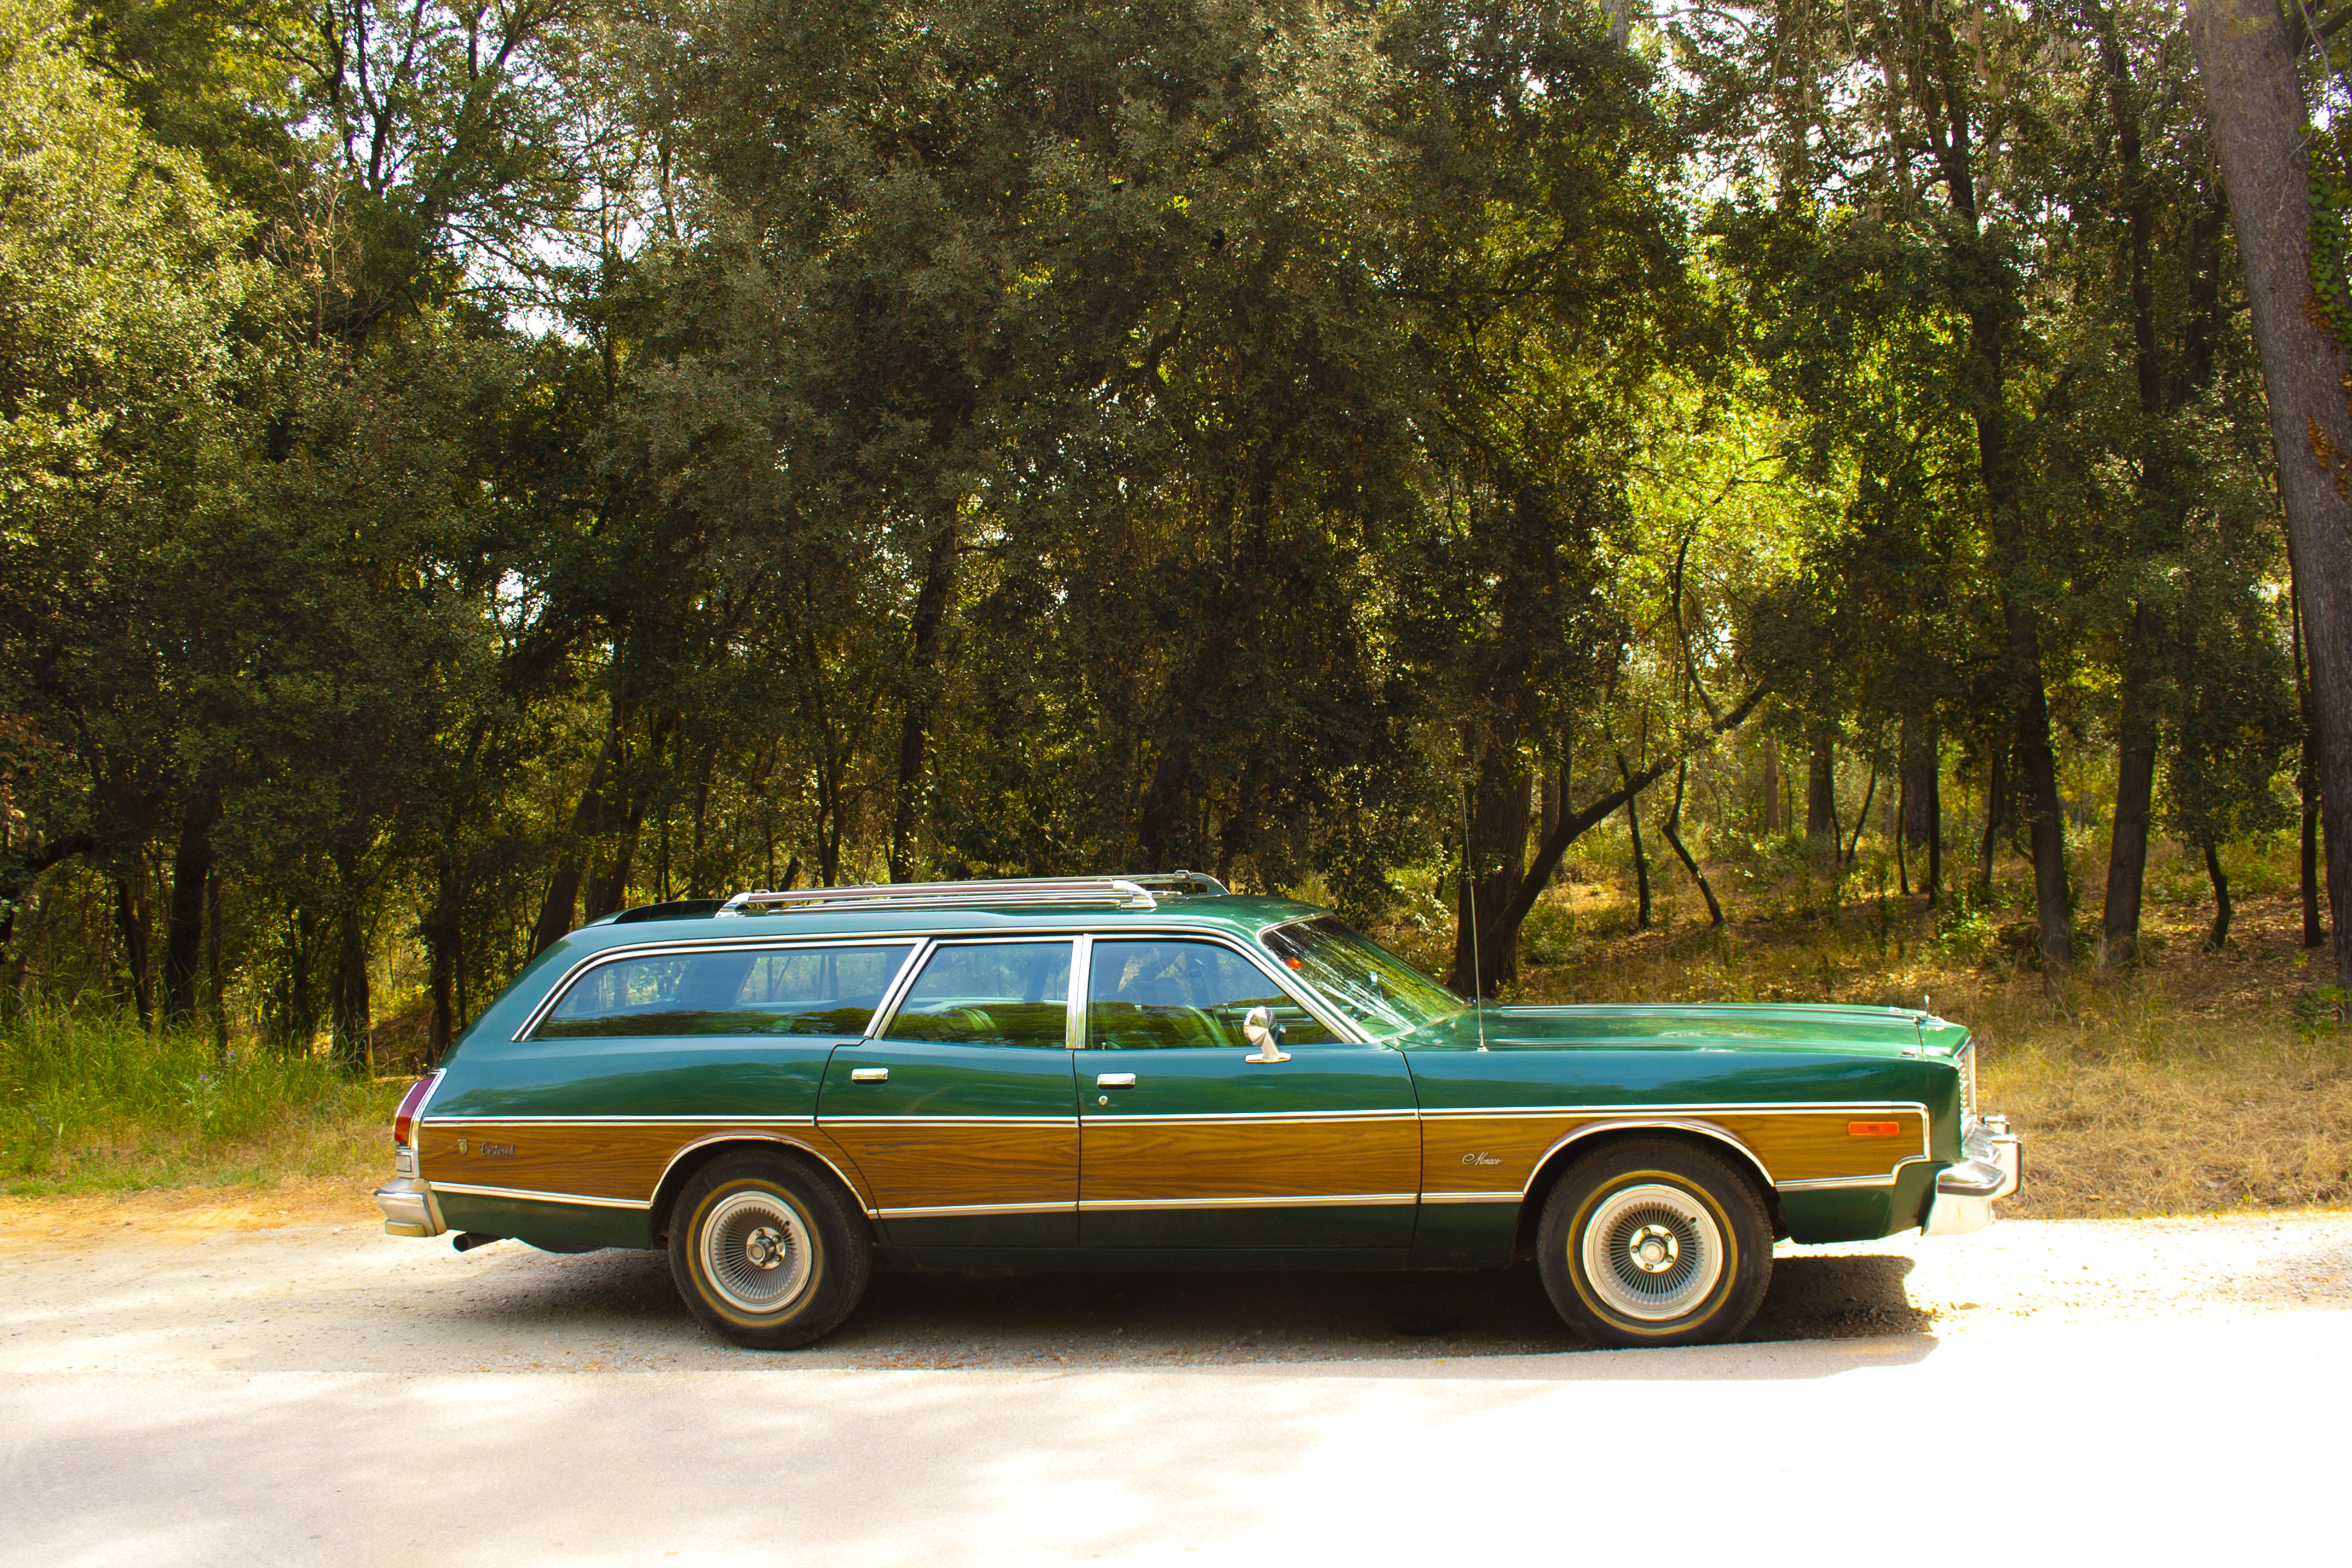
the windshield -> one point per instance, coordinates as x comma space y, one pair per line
1371, 985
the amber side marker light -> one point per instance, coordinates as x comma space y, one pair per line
1874, 1129
403, 1120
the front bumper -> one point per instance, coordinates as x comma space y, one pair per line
1993, 1165
409, 1206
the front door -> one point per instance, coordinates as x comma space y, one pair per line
960, 1113
1188, 1142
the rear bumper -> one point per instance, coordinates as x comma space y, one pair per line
409, 1207
1993, 1165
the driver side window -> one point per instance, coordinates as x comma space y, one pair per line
1158, 996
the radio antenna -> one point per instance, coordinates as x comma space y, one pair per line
1470, 901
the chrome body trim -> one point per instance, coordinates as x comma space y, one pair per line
409, 1208
624, 1121
1649, 1124
1221, 1118
1511, 1196
573, 975
1317, 1200
740, 1133
949, 1121
1831, 1184
953, 1211
1790, 1107
526, 1195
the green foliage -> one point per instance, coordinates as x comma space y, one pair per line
464, 469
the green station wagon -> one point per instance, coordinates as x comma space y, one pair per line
789, 1089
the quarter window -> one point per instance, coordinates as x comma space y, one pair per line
1153, 995
990, 994
792, 990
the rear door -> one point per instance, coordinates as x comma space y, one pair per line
1189, 1143
960, 1112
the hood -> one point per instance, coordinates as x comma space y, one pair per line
1875, 1031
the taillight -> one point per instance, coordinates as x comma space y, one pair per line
403, 1120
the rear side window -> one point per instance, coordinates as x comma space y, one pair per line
792, 990
990, 994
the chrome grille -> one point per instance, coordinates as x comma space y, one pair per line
1967, 1064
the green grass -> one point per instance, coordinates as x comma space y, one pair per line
92, 1104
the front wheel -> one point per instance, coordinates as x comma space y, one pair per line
768, 1252
1655, 1243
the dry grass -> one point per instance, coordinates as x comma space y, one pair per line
91, 1105
2200, 1083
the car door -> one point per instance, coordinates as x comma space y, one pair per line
959, 1111
1191, 1139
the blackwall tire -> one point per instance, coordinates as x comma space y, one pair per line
1655, 1242
767, 1251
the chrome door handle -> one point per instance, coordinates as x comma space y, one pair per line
1114, 1080
869, 1075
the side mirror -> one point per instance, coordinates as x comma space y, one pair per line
1259, 1030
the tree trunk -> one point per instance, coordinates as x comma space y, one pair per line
216, 983
1992, 295
1574, 824
2306, 774
1821, 791
1641, 861
1996, 808
1862, 818
131, 923
183, 917
443, 932
1772, 821
1935, 835
587, 821
301, 1020
2255, 104
924, 638
1551, 795
2135, 789
353, 1028
1920, 764
1498, 860
2219, 934
1674, 837
2136, 726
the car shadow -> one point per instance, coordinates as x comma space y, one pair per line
1009, 1319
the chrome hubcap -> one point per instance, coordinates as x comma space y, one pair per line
756, 1252
1652, 1252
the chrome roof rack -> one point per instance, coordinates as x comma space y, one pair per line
1129, 892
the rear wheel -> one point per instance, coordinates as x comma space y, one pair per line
767, 1251
1655, 1243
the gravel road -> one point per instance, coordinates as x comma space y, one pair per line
231, 1383
223, 1289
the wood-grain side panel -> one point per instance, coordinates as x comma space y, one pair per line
1500, 1153
589, 1159
1817, 1146
917, 1165
1131, 1161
